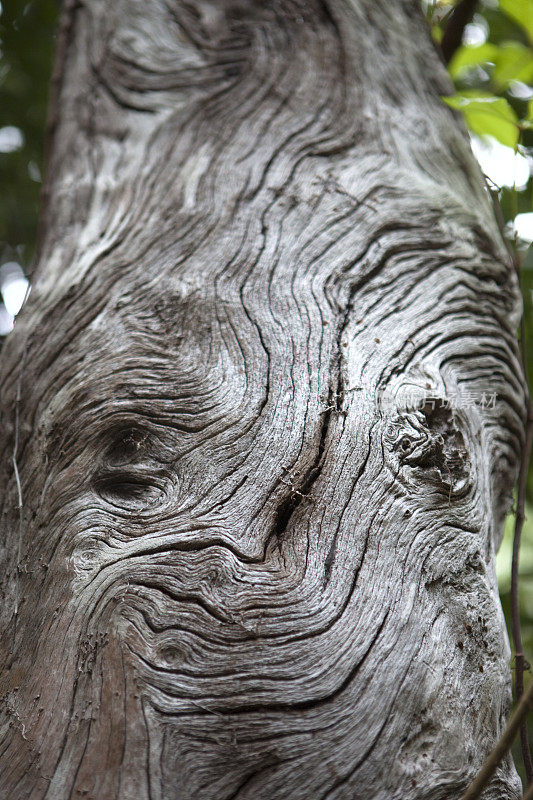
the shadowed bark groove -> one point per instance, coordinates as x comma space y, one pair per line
268, 422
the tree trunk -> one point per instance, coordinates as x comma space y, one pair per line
262, 417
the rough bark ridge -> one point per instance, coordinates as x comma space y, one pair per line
237, 574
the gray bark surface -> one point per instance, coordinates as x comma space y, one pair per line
234, 573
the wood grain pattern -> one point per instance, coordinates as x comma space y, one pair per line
241, 575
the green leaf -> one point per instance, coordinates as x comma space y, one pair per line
472, 56
487, 115
513, 62
520, 11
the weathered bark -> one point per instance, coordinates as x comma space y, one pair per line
238, 574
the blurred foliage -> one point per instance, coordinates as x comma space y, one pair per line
492, 72
27, 31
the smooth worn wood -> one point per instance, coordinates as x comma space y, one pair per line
261, 415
